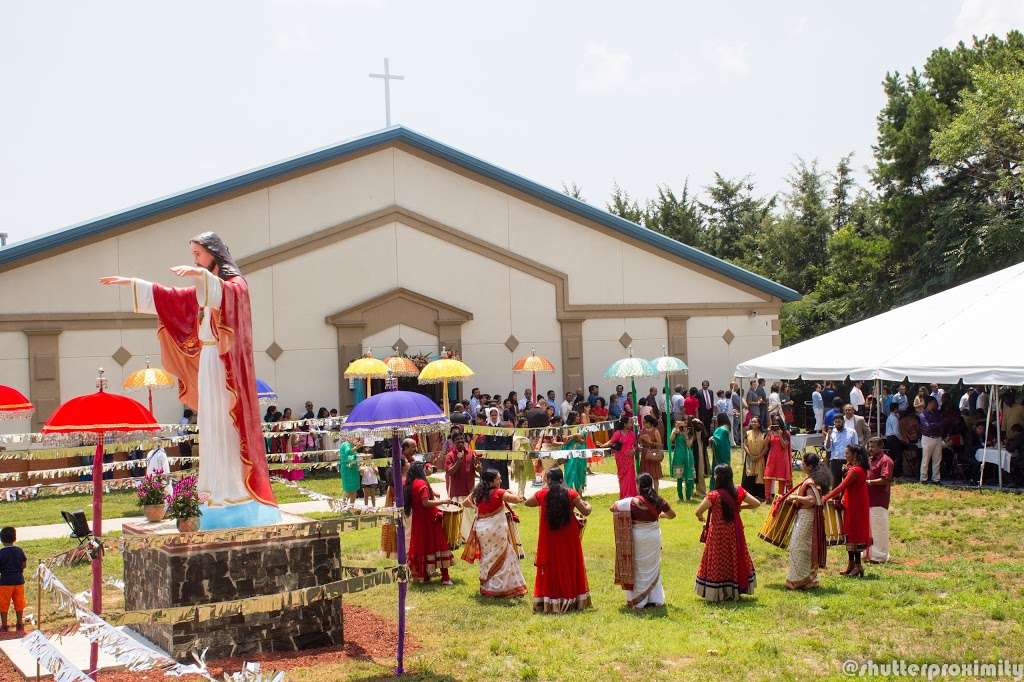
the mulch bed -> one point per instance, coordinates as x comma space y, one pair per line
367, 637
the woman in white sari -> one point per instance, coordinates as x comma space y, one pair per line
638, 544
807, 549
494, 539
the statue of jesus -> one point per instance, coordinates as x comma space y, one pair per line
205, 335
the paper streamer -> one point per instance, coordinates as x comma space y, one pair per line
52, 660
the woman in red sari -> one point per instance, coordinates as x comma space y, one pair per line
428, 547
561, 581
778, 469
856, 510
623, 444
726, 570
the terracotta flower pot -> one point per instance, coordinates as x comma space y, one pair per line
189, 525
154, 512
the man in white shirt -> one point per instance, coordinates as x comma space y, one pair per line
677, 403
982, 403
857, 423
474, 402
818, 406
901, 398
553, 402
857, 398
526, 400
965, 401
567, 404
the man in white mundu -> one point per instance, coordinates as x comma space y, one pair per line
205, 335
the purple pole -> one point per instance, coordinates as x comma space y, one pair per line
97, 561
396, 475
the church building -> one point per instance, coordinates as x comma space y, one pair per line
389, 242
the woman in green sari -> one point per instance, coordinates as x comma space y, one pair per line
721, 443
575, 468
681, 460
348, 466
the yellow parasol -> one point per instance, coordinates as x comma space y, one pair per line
442, 371
149, 378
369, 368
533, 363
401, 366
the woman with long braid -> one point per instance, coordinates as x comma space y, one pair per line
638, 516
561, 581
726, 570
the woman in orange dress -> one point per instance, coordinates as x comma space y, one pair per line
651, 449
778, 468
856, 509
561, 581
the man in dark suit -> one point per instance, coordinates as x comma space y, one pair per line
706, 398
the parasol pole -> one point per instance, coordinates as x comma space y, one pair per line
97, 532
444, 396
396, 476
534, 388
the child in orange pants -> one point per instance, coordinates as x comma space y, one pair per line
12, 578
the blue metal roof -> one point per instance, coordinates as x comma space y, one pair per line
69, 235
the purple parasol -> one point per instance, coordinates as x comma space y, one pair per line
396, 412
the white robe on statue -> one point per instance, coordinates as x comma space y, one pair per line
220, 462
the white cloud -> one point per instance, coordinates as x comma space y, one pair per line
603, 70
978, 17
730, 58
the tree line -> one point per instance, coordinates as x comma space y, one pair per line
944, 202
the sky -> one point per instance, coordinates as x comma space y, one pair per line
106, 105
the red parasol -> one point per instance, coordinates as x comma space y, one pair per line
96, 416
13, 404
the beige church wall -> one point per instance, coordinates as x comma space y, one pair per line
331, 196
601, 348
64, 283
712, 358
649, 279
380, 344
14, 373
82, 353
261, 299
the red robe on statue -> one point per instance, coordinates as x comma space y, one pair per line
178, 311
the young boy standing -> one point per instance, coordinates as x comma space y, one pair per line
12, 578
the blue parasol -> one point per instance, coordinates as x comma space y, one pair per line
395, 412
265, 393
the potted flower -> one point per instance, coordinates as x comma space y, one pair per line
183, 504
151, 493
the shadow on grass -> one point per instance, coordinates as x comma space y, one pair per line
820, 590
500, 602
408, 675
646, 613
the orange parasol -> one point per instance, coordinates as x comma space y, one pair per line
533, 363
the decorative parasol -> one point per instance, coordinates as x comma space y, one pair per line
13, 404
631, 368
396, 411
442, 371
668, 364
264, 393
533, 363
98, 416
149, 378
369, 368
401, 366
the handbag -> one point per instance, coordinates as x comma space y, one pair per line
704, 530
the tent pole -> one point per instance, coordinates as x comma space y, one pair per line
988, 420
878, 408
999, 442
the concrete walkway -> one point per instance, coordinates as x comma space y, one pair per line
597, 484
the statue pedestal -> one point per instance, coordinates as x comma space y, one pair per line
211, 572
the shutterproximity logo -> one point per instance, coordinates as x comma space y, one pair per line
898, 667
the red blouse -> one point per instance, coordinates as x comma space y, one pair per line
492, 503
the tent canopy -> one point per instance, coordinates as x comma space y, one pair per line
973, 332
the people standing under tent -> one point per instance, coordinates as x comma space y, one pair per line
755, 451
696, 435
879, 482
808, 550
893, 435
932, 434
778, 468
493, 442
638, 537
623, 444
818, 408
680, 461
575, 467
460, 465
856, 510
839, 437
786, 398
651, 448
494, 540
921, 399
560, 584
774, 405
348, 468
836, 408
428, 546
910, 432
857, 423
726, 570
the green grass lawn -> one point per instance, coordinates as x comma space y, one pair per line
954, 592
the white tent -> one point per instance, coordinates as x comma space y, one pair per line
973, 332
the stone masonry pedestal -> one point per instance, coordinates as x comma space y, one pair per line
222, 571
